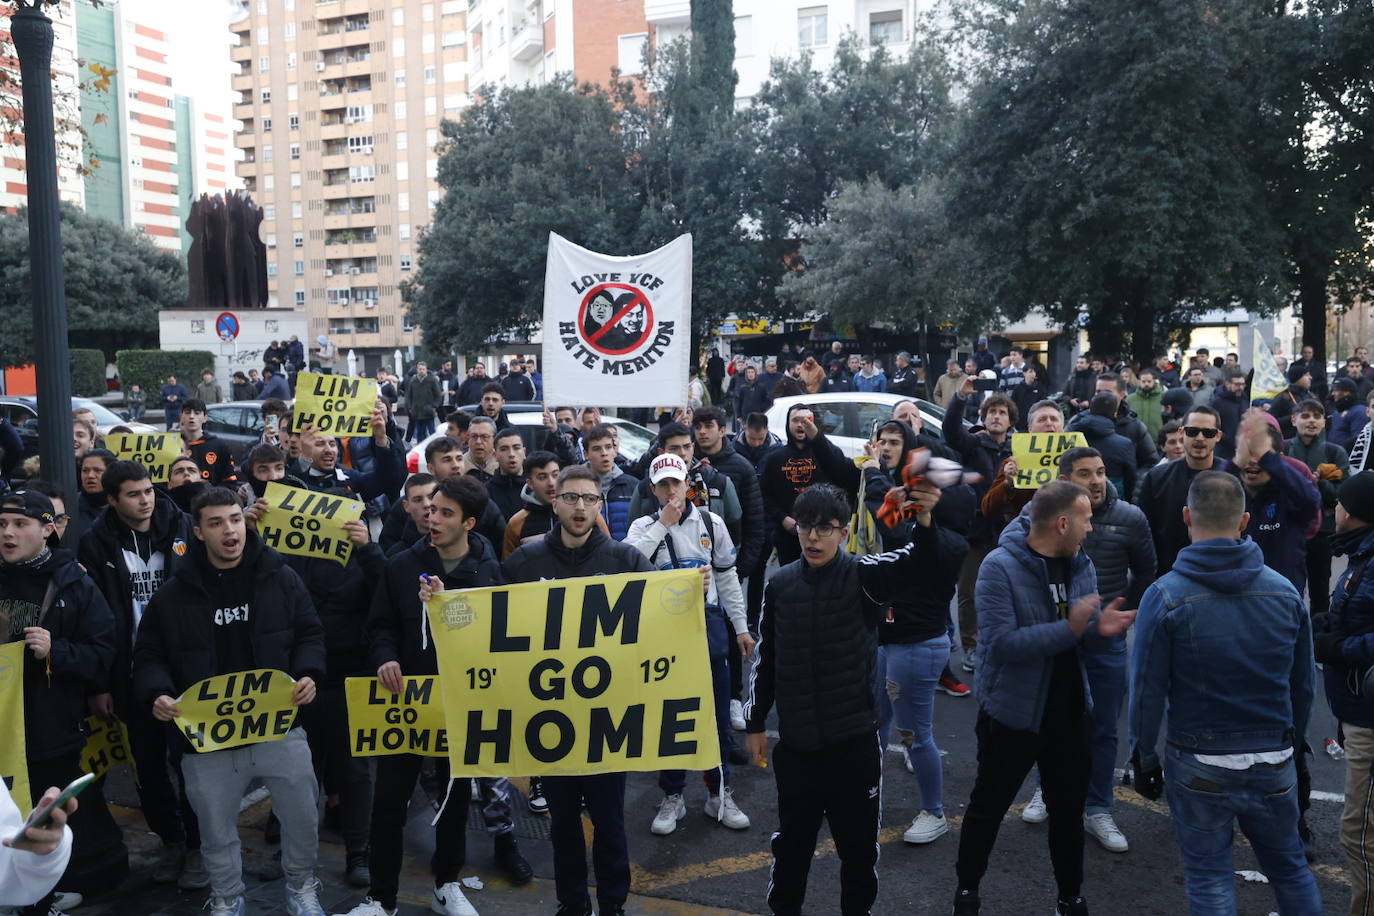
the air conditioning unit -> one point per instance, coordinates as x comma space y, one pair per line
372, 303
355, 270
319, 67
328, 272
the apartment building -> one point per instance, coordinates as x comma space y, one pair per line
339, 104
14, 182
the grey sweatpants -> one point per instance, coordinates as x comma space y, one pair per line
215, 783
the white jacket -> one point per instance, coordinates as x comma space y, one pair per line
696, 546
26, 878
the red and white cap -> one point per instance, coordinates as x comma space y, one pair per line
665, 466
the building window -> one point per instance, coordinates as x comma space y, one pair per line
271, 240
295, 179
631, 57
360, 144
266, 96
398, 47
269, 212
292, 92
403, 201
400, 78
362, 173
405, 262
295, 151
431, 138
403, 232
399, 110
269, 182
398, 16
293, 122
429, 76
434, 199
402, 140
271, 270
296, 209
431, 107
427, 43
432, 168
263, 37
357, 113
290, 60
267, 125
289, 31
262, 7
267, 154
744, 36
403, 171
813, 24
298, 240
264, 64
300, 298
885, 27
427, 12
453, 40
299, 268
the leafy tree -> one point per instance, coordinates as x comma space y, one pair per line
1103, 167
116, 281
521, 163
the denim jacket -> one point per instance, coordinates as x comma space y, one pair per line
1019, 631
1227, 644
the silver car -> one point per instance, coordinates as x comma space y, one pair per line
848, 418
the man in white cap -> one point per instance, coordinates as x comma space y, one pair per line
684, 536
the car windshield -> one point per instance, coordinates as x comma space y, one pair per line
103, 415
634, 440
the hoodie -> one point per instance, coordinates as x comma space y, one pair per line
1174, 404
1224, 643
1281, 514
505, 490
787, 471
1118, 454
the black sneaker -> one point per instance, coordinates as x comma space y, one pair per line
1075, 907
575, 909
612, 909
965, 904
535, 799
356, 872
509, 860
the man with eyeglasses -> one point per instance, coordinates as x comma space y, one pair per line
817, 655
577, 546
1163, 492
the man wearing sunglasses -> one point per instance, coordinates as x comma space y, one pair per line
1163, 492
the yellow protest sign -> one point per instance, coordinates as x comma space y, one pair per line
107, 746
155, 451
306, 523
334, 404
1037, 456
577, 676
231, 710
14, 768
381, 722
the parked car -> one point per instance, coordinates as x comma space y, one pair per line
848, 418
238, 423
635, 440
22, 411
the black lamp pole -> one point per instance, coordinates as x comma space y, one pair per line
32, 33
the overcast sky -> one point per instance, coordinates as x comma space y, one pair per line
199, 36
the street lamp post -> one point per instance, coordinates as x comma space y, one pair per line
32, 34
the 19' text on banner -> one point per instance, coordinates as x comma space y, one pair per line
334, 404
231, 710
577, 676
622, 325
155, 451
308, 524
1037, 456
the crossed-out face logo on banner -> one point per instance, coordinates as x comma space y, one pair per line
622, 322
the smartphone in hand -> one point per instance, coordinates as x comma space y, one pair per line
42, 815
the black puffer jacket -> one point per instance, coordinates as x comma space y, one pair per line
753, 526
504, 490
395, 621
100, 552
1162, 494
1122, 551
176, 640
343, 598
82, 650
818, 643
551, 559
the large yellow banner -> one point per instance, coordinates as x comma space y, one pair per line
308, 524
1037, 456
334, 404
381, 722
231, 710
155, 451
577, 676
14, 768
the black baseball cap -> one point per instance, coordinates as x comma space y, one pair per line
34, 505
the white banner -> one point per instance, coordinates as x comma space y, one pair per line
617, 330
1267, 381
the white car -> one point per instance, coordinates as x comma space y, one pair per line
635, 440
848, 418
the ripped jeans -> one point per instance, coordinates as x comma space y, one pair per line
905, 682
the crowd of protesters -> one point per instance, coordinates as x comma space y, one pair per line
1205, 521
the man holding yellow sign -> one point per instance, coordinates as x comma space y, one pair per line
307, 524
334, 404
155, 451
1037, 456
216, 651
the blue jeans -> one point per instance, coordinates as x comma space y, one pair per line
1206, 801
423, 429
906, 677
1107, 681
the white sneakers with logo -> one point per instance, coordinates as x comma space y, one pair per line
722, 808
450, 900
671, 810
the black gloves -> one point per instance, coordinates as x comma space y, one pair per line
1149, 783
1326, 640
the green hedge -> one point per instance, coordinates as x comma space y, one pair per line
88, 373
149, 367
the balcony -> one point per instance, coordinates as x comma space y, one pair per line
245, 138
242, 81
240, 53
668, 12
360, 222
243, 111
527, 40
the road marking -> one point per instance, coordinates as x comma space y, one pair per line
1337, 797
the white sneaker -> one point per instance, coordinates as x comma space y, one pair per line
66, 901
722, 808
737, 715
304, 900
1034, 812
368, 907
1102, 828
671, 810
450, 901
926, 828
226, 906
